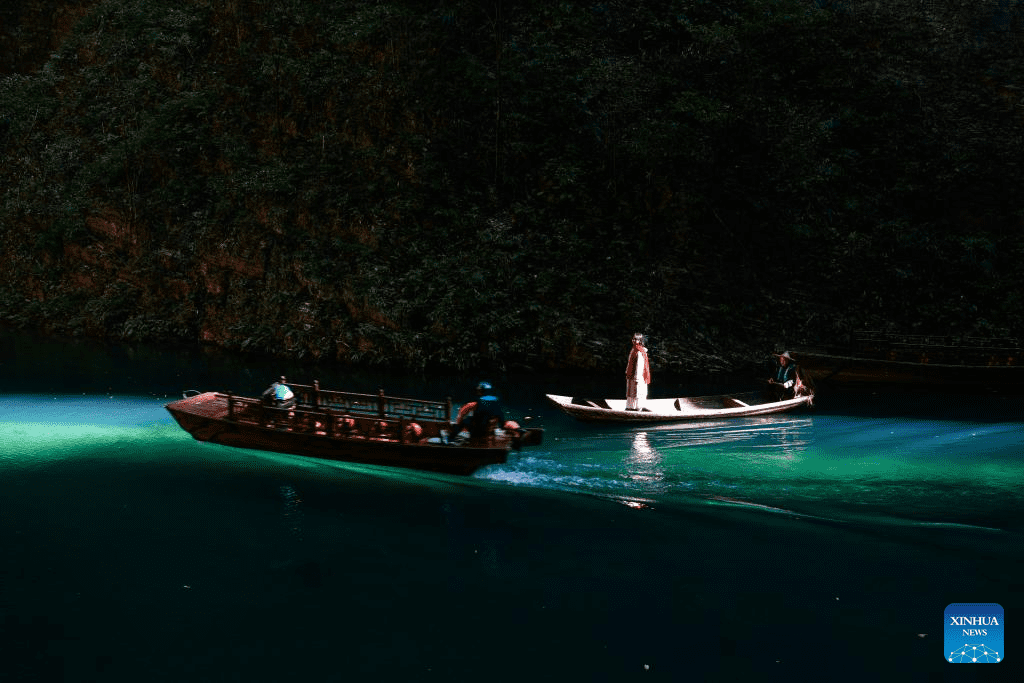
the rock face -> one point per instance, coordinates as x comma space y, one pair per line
429, 185
31, 30
151, 191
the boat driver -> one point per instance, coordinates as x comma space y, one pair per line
477, 417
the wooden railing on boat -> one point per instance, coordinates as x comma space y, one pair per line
379, 404
346, 415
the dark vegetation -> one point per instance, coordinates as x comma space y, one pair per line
466, 183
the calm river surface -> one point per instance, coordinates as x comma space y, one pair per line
820, 545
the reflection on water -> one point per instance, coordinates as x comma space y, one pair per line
832, 466
643, 464
751, 457
787, 436
292, 512
764, 447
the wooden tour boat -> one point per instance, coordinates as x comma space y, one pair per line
678, 409
348, 427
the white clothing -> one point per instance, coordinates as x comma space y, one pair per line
636, 387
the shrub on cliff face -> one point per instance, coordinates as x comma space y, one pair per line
515, 182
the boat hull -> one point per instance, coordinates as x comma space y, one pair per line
683, 409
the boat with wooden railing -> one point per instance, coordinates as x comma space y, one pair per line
923, 361
349, 427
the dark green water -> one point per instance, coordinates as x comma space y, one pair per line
813, 546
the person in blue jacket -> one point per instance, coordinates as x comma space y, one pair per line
476, 417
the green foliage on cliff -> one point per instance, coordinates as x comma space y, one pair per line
464, 184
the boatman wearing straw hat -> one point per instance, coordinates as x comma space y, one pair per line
638, 374
783, 382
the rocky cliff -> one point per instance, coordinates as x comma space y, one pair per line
512, 184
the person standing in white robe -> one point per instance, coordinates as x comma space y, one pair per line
638, 374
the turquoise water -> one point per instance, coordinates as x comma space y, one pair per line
820, 545
831, 466
840, 467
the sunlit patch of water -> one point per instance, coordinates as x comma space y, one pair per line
39, 430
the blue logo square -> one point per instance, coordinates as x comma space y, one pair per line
974, 633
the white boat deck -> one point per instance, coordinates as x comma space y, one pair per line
681, 408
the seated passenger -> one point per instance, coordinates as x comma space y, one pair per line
279, 395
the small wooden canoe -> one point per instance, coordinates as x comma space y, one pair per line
359, 428
677, 409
